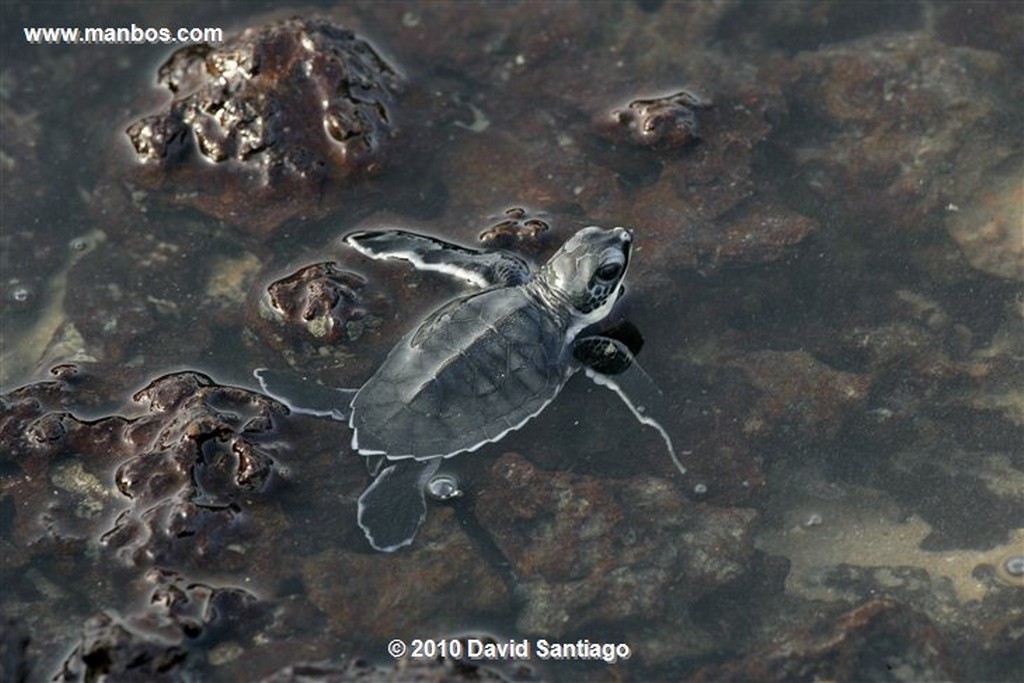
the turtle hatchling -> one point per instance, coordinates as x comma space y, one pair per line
479, 366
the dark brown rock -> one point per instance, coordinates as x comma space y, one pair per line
111, 648
590, 551
200, 457
875, 137
187, 469
879, 640
802, 399
287, 113
57, 467
162, 641
406, 594
516, 228
319, 303
988, 227
661, 123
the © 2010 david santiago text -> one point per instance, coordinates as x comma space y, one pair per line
524, 649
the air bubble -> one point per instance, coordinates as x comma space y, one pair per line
813, 519
700, 489
443, 487
20, 293
1014, 565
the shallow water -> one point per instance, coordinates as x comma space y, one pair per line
827, 285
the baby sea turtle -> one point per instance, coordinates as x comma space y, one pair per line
478, 367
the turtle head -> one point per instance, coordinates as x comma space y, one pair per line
589, 268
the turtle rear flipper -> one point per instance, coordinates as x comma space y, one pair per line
610, 363
481, 269
305, 396
393, 507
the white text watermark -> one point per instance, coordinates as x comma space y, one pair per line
121, 35
525, 649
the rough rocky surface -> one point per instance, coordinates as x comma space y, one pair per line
157, 644
988, 228
173, 485
516, 229
888, 145
879, 640
660, 123
298, 105
398, 596
586, 551
315, 312
802, 401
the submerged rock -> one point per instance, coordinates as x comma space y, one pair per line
385, 596
588, 551
320, 303
180, 485
661, 123
174, 483
517, 227
893, 146
989, 228
287, 113
879, 640
55, 469
172, 635
201, 457
802, 399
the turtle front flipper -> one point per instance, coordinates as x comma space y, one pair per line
481, 269
610, 363
303, 395
393, 507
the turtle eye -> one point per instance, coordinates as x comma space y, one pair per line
609, 271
